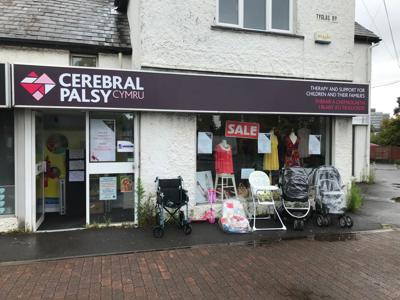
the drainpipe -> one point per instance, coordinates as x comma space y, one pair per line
368, 137
120, 59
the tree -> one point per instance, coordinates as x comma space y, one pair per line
397, 109
390, 132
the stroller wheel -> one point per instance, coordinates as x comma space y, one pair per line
342, 222
187, 229
295, 225
158, 232
301, 225
320, 220
349, 221
325, 221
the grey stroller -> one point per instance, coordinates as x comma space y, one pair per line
330, 200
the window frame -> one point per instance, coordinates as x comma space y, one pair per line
72, 55
268, 18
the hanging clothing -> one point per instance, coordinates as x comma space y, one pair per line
304, 135
271, 160
223, 159
292, 156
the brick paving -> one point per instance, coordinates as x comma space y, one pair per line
365, 268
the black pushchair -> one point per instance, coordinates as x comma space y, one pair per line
171, 197
295, 205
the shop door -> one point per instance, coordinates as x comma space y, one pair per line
110, 167
39, 169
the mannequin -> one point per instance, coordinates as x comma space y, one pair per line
293, 136
223, 158
292, 157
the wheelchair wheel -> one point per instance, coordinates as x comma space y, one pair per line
342, 222
158, 232
349, 221
187, 229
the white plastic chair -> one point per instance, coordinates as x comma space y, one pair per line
259, 186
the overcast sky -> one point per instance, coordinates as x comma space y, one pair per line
385, 69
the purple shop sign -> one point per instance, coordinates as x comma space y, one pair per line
68, 87
3, 82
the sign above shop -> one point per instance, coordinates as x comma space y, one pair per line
85, 88
3, 84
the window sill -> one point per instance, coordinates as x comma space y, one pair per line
272, 33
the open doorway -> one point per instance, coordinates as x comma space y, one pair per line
64, 185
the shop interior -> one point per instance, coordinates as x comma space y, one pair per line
64, 188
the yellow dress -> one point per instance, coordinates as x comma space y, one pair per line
271, 160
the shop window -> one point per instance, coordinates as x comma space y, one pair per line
83, 60
265, 15
258, 142
7, 179
111, 137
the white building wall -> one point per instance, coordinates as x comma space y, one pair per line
342, 141
361, 152
180, 35
168, 149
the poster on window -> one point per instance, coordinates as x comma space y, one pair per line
314, 144
264, 143
126, 183
108, 188
102, 140
204, 143
203, 184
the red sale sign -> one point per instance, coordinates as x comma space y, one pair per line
242, 129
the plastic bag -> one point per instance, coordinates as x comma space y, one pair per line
233, 218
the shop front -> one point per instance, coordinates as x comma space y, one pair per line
95, 132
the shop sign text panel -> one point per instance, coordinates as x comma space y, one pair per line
43, 86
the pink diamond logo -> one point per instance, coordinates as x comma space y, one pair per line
37, 86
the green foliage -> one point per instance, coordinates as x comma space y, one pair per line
145, 207
354, 198
390, 133
397, 162
370, 177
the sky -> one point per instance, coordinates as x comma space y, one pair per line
385, 68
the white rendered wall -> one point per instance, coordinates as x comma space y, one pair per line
342, 141
178, 35
168, 149
361, 133
53, 57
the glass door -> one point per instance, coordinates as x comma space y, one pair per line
40, 169
110, 165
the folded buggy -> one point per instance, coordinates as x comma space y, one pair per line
330, 200
295, 205
171, 197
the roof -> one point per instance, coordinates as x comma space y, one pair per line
364, 35
93, 25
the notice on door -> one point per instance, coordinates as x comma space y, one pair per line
108, 188
102, 140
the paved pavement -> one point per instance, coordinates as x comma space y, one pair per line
364, 267
378, 204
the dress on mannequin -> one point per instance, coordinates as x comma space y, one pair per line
223, 158
271, 160
292, 156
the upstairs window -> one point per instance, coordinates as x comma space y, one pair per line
265, 15
81, 60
